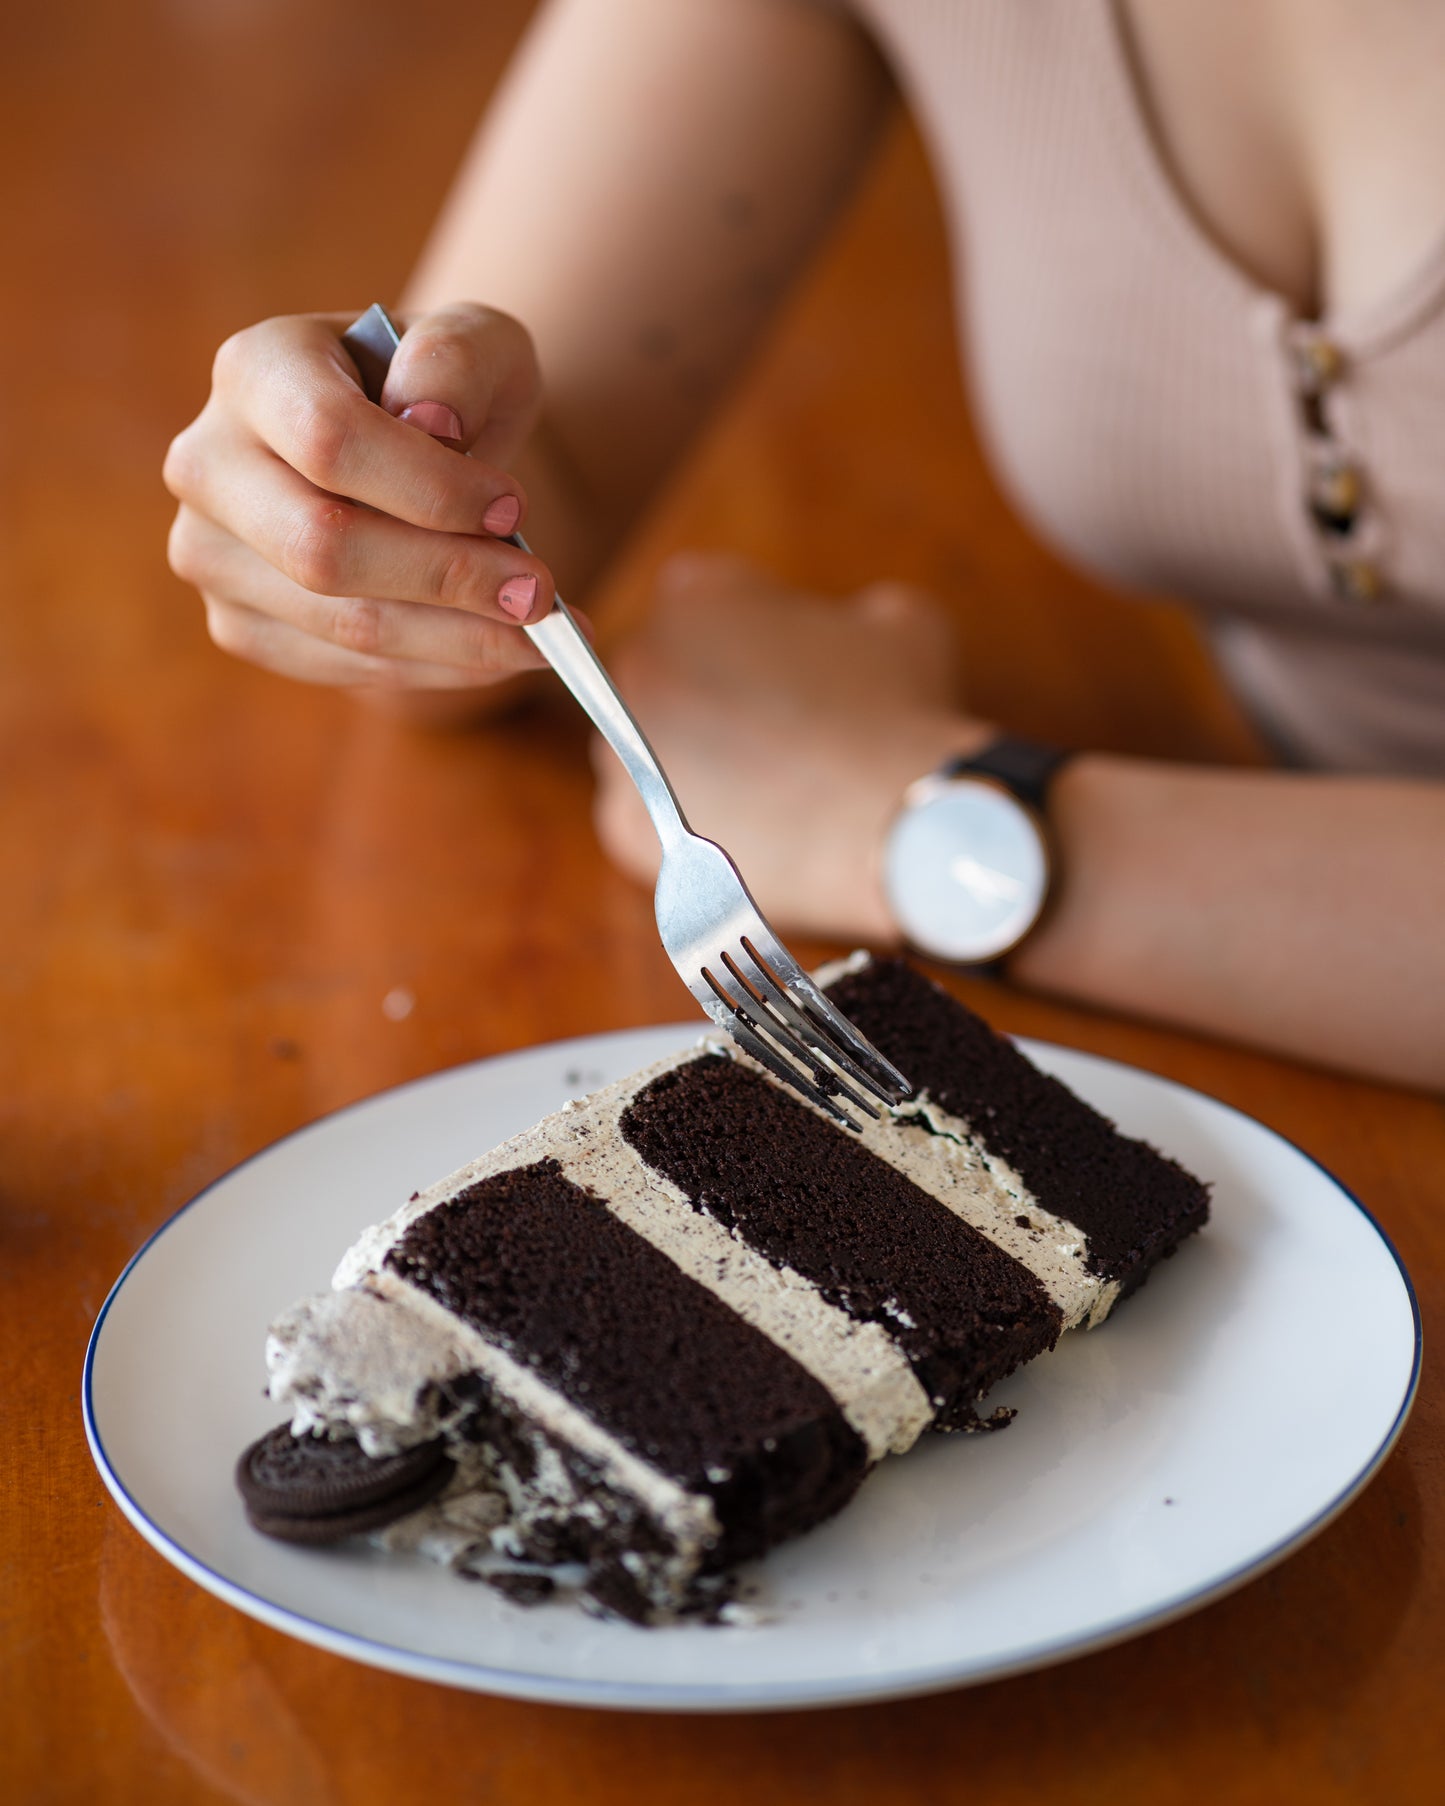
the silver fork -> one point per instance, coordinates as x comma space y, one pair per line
712, 930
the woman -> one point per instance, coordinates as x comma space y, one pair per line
1205, 297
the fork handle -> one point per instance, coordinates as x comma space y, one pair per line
564, 646
371, 341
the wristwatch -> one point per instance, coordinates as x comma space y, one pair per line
967, 865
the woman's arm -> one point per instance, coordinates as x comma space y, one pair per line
649, 179
1300, 913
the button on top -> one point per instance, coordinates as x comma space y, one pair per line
1334, 495
1356, 580
1319, 363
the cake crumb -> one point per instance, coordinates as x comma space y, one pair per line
520, 1589
743, 1617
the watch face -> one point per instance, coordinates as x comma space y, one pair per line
965, 870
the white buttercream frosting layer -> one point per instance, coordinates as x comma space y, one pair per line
859, 1363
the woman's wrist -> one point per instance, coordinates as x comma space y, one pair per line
1049, 957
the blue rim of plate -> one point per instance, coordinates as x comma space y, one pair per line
645, 1696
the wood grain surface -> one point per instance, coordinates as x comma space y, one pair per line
212, 879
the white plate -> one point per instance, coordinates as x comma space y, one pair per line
1228, 1412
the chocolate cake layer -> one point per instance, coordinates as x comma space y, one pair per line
541, 1266
1134, 1204
811, 1197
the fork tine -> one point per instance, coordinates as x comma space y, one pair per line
740, 1024
768, 1019
821, 1008
770, 990
831, 1020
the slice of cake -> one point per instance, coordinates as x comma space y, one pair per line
678, 1321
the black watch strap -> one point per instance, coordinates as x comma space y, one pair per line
1022, 766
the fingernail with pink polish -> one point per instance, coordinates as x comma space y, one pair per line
433, 417
517, 595
503, 515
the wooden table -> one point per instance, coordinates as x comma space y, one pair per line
212, 879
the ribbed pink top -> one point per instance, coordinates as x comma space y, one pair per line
1146, 402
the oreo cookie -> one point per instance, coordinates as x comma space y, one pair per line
307, 1489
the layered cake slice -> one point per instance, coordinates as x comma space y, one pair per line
678, 1321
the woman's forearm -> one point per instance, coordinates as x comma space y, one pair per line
1301, 913
645, 279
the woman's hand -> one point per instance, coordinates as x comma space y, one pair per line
647, 181
343, 543
790, 726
